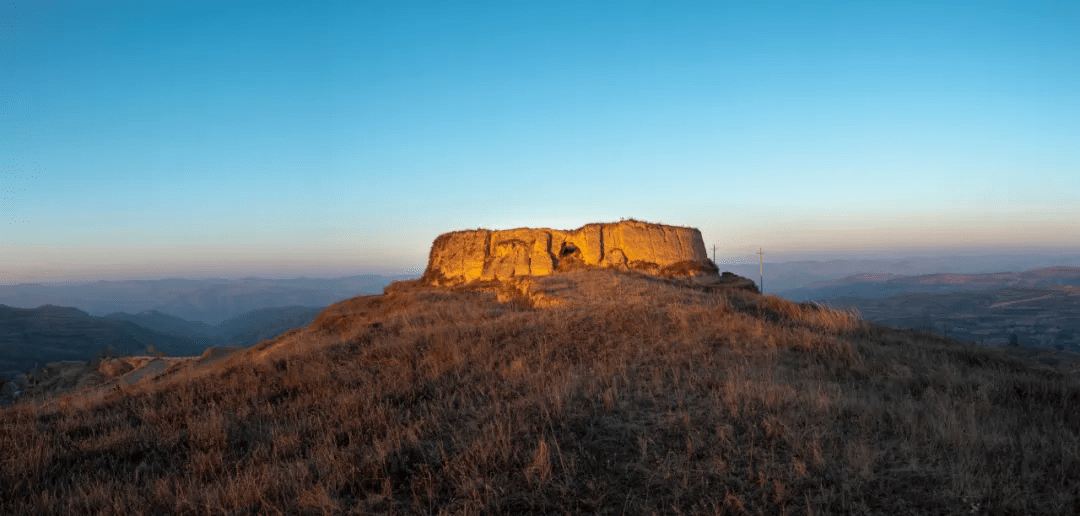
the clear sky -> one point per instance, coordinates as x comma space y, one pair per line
156, 138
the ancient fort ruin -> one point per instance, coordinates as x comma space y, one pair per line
463, 257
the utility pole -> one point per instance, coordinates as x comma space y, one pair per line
761, 276
714, 253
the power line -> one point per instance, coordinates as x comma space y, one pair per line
761, 276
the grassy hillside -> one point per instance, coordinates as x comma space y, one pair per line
591, 392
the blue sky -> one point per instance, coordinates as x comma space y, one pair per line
151, 139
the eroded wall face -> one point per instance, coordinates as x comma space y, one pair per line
518, 252
466, 256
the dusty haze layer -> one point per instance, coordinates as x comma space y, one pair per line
481, 255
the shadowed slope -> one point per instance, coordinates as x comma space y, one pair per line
630, 395
32, 337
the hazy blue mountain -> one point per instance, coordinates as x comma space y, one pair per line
1039, 316
32, 337
165, 323
1040, 307
877, 286
265, 323
205, 300
780, 278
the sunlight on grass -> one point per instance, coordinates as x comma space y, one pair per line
631, 394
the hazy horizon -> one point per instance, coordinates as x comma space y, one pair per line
911, 264
275, 139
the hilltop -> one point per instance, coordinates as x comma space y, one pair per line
587, 391
464, 256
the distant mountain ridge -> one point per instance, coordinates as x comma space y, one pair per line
882, 285
859, 278
263, 324
165, 323
241, 330
781, 277
32, 337
210, 301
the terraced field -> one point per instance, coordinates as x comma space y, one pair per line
1046, 317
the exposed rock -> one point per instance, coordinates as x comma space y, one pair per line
113, 367
149, 369
216, 353
481, 255
729, 280
525, 290
9, 390
13, 385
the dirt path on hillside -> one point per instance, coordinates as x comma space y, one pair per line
1007, 303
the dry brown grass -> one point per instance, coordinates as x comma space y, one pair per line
635, 396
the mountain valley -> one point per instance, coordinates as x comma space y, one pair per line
32, 338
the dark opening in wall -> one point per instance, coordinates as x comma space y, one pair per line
569, 257
568, 248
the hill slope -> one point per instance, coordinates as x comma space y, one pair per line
586, 392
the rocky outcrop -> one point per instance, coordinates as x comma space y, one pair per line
481, 255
